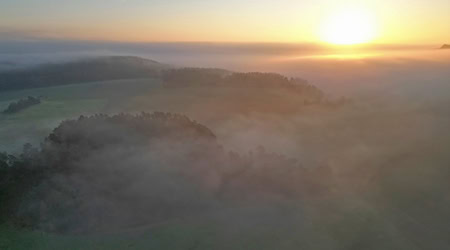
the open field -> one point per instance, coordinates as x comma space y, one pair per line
266, 227
60, 103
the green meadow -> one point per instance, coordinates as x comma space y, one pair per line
63, 102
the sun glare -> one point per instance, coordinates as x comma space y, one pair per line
349, 26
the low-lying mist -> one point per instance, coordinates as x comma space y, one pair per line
272, 165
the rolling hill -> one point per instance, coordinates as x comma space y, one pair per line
81, 71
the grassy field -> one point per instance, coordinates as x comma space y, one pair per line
210, 106
64, 102
352, 225
208, 231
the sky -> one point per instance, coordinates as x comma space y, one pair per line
291, 21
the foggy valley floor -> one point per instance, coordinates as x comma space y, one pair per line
283, 171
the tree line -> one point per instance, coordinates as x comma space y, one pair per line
186, 77
82, 71
22, 104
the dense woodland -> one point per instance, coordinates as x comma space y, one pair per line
92, 174
188, 77
87, 70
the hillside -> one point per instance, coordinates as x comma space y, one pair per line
257, 81
184, 171
81, 71
445, 46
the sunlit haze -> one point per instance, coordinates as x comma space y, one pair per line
349, 26
225, 124
341, 22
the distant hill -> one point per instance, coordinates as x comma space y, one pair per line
6, 65
81, 71
194, 77
445, 46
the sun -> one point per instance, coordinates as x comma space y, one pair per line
349, 26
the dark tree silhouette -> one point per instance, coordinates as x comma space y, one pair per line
82, 71
149, 167
22, 104
186, 77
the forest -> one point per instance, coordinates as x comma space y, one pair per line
84, 176
79, 71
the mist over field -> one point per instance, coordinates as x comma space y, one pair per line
348, 151
340, 69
